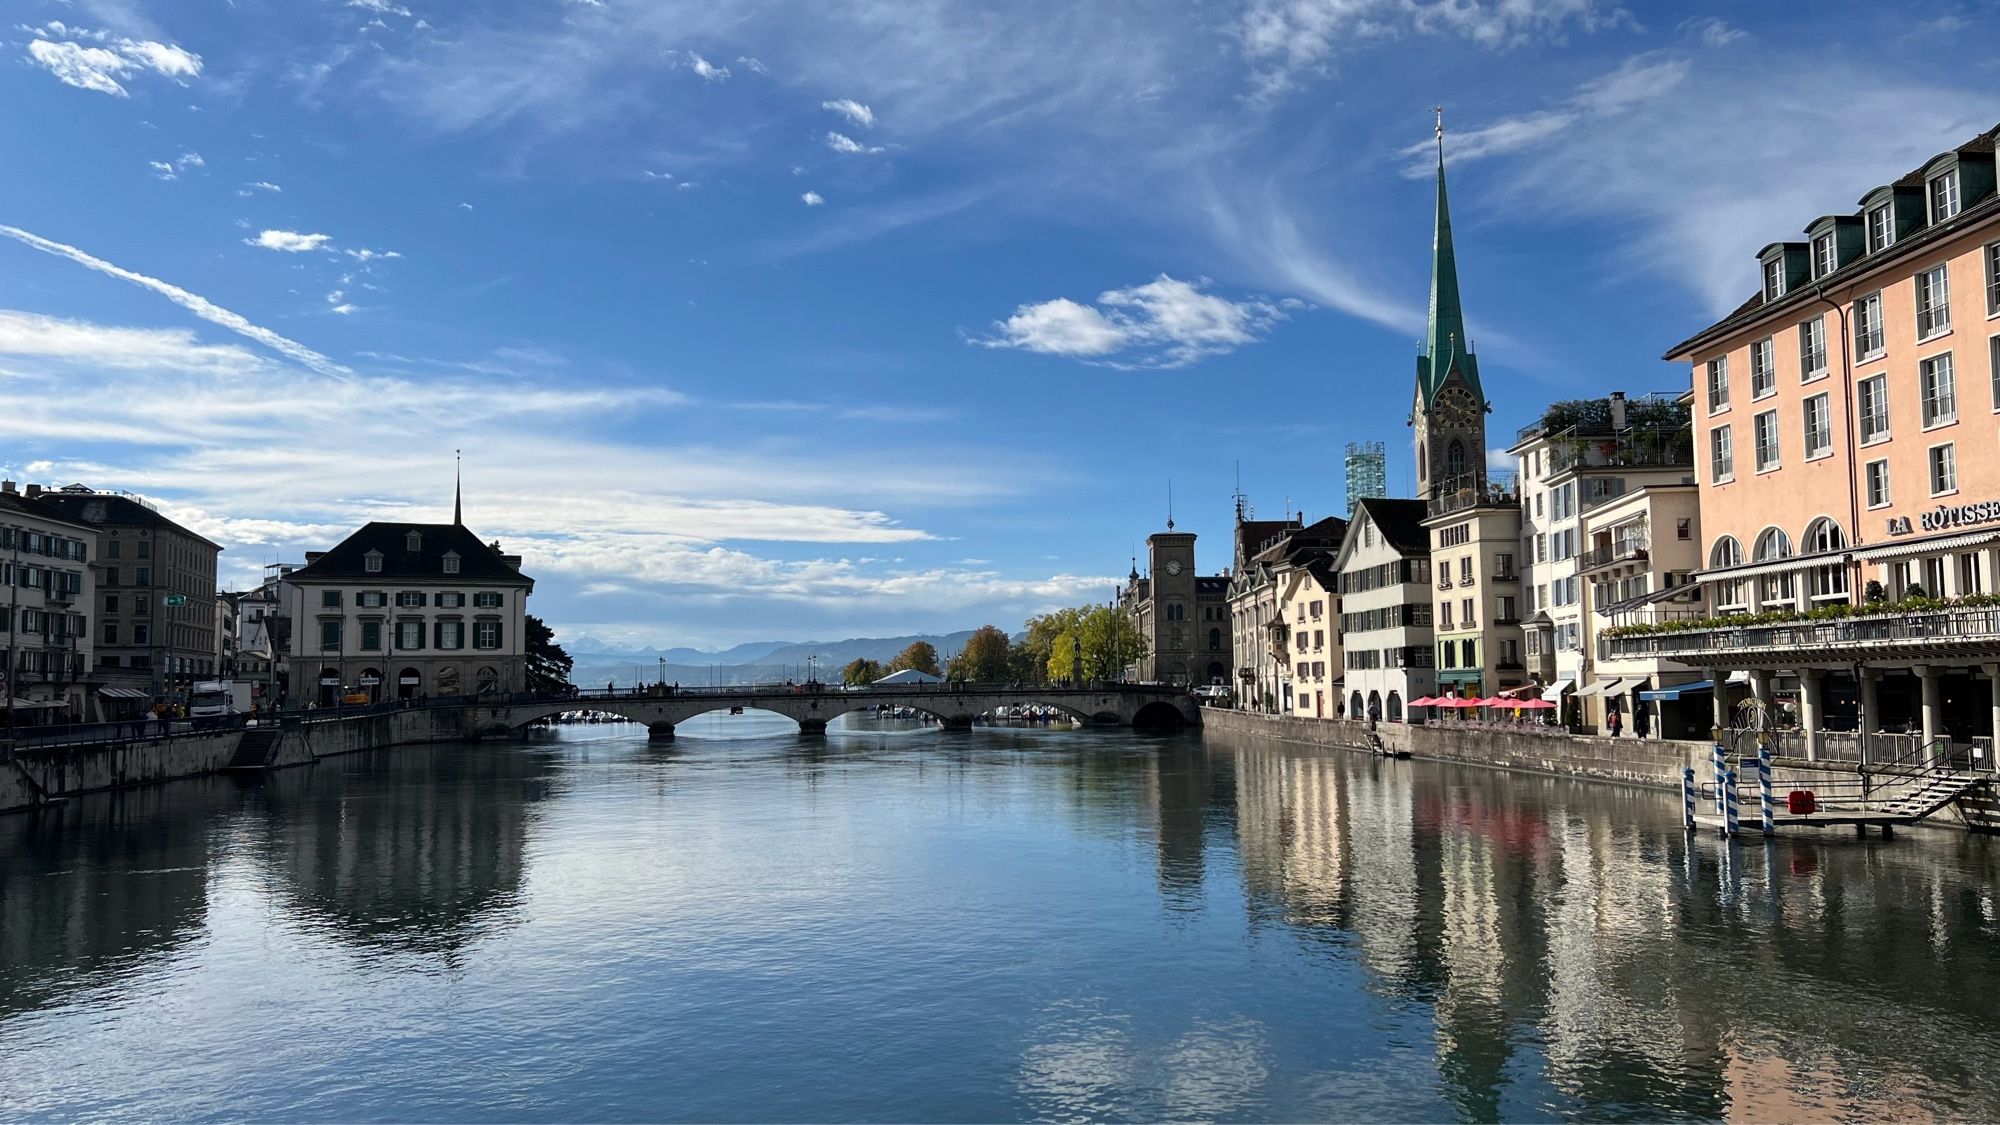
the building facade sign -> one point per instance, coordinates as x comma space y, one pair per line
1945, 517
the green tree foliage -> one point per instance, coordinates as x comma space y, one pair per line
921, 655
1108, 640
985, 657
861, 670
548, 665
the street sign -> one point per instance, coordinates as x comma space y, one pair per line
174, 600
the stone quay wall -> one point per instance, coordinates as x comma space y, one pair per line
1633, 761
32, 775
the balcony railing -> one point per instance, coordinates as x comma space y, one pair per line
1626, 449
1498, 490
1955, 631
1611, 554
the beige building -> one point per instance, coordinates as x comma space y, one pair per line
1309, 611
155, 627
1644, 549
1847, 431
44, 613
407, 611
1580, 456
1253, 605
1475, 535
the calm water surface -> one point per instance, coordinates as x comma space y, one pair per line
908, 925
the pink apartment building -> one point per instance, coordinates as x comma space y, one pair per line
1847, 428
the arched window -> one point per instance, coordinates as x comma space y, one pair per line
1395, 710
1727, 552
1354, 706
1215, 640
1827, 582
1375, 703
1454, 460
489, 680
1775, 590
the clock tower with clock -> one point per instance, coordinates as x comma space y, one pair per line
1449, 415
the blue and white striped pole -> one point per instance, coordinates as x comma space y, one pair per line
1729, 815
1687, 797
1721, 772
1764, 794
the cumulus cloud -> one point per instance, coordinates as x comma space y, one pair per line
812, 199
105, 64
841, 142
852, 110
1163, 324
289, 241
194, 303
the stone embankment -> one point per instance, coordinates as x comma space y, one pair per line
31, 776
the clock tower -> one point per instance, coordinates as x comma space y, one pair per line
1449, 415
1171, 638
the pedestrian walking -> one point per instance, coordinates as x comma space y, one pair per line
1615, 722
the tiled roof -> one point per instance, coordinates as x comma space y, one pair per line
348, 561
117, 510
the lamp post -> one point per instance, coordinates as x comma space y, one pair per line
663, 671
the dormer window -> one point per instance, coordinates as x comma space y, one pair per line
1823, 260
372, 562
413, 542
1944, 196
1881, 228
1774, 279
451, 562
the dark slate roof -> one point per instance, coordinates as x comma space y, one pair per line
20, 505
1253, 535
79, 504
1401, 523
348, 560
1216, 585
1323, 573
1972, 212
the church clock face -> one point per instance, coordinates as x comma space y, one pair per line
1173, 566
1455, 409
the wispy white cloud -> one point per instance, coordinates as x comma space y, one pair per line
104, 67
256, 186
198, 305
1638, 81
124, 349
1165, 323
366, 255
1713, 31
812, 199
381, 7
752, 64
852, 110
841, 142
706, 70
1285, 40
172, 169
289, 241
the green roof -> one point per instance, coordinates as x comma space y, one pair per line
1445, 345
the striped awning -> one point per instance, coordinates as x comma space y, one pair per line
1925, 546
121, 693
1601, 687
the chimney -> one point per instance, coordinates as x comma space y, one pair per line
34, 490
1617, 401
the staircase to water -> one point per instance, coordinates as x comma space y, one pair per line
256, 750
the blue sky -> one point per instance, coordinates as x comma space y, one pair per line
778, 321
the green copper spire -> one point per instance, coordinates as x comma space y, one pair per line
1445, 344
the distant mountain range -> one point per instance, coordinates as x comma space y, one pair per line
597, 662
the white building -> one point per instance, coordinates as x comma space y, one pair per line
407, 610
1385, 620
1310, 610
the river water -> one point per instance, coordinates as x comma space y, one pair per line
908, 925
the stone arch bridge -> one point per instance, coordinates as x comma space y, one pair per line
1148, 707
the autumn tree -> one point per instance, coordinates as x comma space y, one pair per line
984, 659
921, 655
861, 670
1107, 639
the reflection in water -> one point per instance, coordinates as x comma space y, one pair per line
93, 889
418, 849
902, 925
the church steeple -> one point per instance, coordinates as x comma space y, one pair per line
1445, 344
